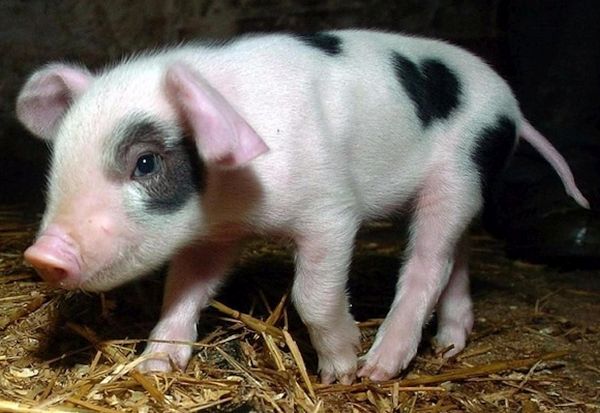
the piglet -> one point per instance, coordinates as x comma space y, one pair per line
178, 155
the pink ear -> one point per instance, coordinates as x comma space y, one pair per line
222, 135
48, 94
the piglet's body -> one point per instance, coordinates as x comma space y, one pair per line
178, 155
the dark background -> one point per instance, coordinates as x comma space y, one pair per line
548, 50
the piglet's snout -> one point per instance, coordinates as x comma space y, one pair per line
55, 257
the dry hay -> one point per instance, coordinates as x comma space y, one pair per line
534, 348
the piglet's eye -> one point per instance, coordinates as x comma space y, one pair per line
147, 164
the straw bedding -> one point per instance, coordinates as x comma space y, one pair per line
535, 347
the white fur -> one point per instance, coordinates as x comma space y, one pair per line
345, 145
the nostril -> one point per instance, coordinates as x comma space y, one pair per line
52, 274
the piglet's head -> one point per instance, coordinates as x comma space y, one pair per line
133, 151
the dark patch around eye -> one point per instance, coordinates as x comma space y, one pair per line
328, 43
181, 177
494, 148
433, 88
143, 132
181, 171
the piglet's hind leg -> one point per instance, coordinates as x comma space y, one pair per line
444, 207
455, 308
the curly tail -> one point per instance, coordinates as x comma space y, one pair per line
555, 159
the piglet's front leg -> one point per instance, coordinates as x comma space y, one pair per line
194, 277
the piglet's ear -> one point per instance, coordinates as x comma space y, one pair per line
223, 137
48, 94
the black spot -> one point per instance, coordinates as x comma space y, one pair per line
326, 42
432, 86
180, 174
494, 148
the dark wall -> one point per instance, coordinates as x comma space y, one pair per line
34, 32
